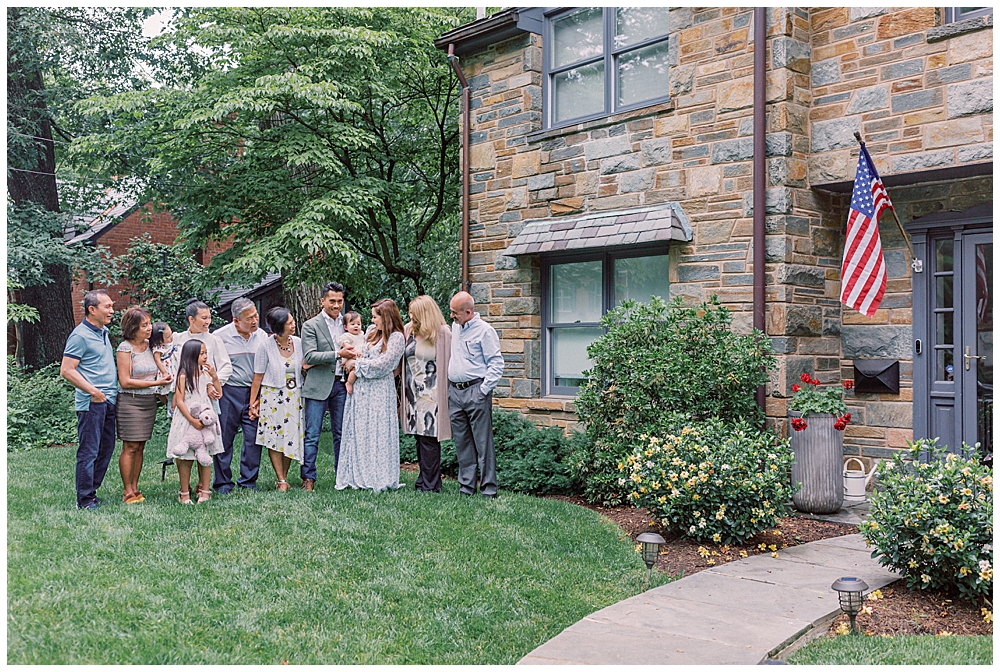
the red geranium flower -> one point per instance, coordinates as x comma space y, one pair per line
805, 378
814, 381
848, 384
839, 426
795, 388
798, 424
847, 417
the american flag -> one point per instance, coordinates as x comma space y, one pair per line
863, 272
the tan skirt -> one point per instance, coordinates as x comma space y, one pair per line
136, 414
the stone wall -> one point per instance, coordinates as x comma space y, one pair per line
830, 71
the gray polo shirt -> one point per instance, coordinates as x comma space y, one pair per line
241, 353
91, 346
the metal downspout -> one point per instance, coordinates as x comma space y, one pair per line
759, 171
465, 166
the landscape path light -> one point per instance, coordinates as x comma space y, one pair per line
651, 543
851, 591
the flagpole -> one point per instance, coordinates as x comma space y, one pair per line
915, 263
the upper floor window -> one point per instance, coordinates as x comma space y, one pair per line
953, 14
599, 61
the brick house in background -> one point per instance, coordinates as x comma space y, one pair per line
612, 157
123, 220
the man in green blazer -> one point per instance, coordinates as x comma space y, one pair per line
323, 389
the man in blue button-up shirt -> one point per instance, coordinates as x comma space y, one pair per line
89, 364
474, 370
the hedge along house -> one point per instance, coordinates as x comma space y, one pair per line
611, 155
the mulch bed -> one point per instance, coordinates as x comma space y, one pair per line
681, 556
902, 611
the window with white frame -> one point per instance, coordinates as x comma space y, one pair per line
953, 14
577, 291
602, 60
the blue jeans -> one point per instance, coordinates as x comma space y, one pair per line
95, 430
235, 405
315, 410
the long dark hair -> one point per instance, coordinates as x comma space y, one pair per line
188, 367
156, 338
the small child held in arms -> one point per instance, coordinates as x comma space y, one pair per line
356, 340
161, 342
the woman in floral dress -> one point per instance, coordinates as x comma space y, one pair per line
369, 449
274, 394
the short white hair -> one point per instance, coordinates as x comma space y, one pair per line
241, 305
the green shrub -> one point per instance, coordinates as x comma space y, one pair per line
529, 459
656, 359
711, 480
40, 409
933, 521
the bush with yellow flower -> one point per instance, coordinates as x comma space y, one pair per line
932, 519
713, 480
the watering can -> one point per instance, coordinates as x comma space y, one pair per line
855, 482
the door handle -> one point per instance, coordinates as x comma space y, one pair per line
969, 357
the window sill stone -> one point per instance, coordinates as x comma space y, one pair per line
963, 27
583, 127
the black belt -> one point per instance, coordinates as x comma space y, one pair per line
339, 377
466, 384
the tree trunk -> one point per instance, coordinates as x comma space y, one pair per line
303, 300
43, 340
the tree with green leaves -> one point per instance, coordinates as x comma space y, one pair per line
323, 141
55, 58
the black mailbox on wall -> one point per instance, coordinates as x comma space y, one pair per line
878, 376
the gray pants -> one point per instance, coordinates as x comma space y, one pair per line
472, 429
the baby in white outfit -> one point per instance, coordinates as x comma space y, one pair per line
354, 338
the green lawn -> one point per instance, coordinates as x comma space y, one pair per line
903, 650
326, 577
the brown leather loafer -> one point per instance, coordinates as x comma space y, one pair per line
307, 484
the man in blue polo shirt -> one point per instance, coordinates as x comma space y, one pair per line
88, 363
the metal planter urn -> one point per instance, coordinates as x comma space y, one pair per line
818, 452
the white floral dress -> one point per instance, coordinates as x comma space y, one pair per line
280, 426
179, 425
369, 447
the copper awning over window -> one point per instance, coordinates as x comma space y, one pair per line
601, 230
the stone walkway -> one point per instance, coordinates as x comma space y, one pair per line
737, 613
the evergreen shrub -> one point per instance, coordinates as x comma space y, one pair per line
714, 480
933, 521
656, 359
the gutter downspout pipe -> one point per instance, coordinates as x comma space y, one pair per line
466, 156
759, 171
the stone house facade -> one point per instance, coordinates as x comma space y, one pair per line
549, 182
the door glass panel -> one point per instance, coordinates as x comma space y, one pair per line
640, 278
642, 74
984, 345
943, 255
637, 24
578, 92
945, 369
945, 329
945, 292
578, 36
569, 354
576, 292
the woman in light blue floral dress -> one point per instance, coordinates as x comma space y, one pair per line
369, 449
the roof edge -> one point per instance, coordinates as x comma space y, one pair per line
496, 28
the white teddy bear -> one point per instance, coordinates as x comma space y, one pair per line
198, 439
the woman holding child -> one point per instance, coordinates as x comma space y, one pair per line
139, 379
423, 408
369, 451
275, 394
